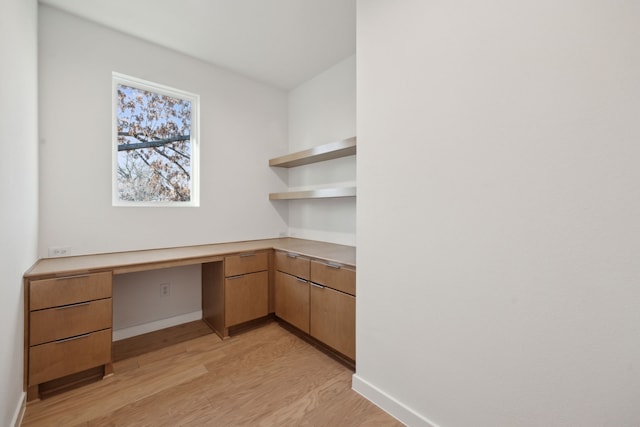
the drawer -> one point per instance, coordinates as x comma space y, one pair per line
333, 275
244, 263
60, 358
246, 297
292, 263
69, 320
69, 290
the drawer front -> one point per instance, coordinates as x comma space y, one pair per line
292, 263
69, 290
249, 262
60, 358
246, 297
70, 320
333, 319
292, 300
333, 275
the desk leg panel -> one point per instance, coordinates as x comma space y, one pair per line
213, 297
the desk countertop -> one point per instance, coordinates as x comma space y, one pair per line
127, 262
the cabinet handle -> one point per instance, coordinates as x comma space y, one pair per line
75, 276
301, 280
333, 265
72, 338
247, 255
293, 255
315, 285
64, 307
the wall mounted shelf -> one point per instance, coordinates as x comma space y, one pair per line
321, 193
321, 153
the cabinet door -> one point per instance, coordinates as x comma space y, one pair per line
246, 297
333, 319
292, 300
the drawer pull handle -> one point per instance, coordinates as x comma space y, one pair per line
72, 338
333, 265
247, 255
75, 276
315, 285
80, 304
301, 280
293, 255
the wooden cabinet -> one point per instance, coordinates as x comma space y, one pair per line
235, 291
333, 306
68, 301
318, 298
69, 327
246, 287
333, 319
292, 300
246, 297
292, 289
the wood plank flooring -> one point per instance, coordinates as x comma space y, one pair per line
262, 377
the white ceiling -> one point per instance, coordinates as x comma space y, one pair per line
280, 42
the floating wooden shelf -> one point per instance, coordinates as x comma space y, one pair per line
333, 150
321, 193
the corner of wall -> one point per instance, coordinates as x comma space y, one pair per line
18, 415
388, 404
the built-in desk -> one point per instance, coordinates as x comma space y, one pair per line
68, 307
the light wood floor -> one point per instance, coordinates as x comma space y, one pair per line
262, 377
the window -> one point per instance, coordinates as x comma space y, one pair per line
155, 144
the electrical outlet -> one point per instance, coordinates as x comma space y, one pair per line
165, 289
58, 251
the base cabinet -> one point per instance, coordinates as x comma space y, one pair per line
69, 328
333, 319
68, 317
235, 291
318, 298
246, 297
246, 287
292, 300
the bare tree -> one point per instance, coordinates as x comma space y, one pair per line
154, 146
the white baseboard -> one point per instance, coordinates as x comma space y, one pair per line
19, 412
396, 409
133, 331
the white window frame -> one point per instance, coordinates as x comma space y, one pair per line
122, 79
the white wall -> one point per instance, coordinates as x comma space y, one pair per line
243, 124
498, 206
131, 317
323, 110
18, 188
